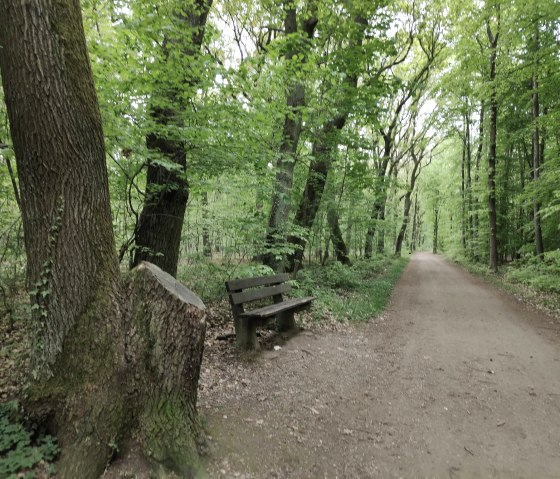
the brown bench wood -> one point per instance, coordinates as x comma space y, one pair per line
243, 291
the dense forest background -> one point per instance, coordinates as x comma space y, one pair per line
317, 137
430, 125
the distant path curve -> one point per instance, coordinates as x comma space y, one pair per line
456, 380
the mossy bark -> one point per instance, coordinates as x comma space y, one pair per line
340, 247
133, 383
295, 56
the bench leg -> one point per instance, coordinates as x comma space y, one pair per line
285, 322
246, 335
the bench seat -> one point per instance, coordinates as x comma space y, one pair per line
274, 309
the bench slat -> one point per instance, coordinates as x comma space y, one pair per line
254, 294
274, 309
239, 284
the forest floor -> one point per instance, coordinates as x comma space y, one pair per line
456, 380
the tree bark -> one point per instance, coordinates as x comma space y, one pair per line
436, 231
339, 245
478, 159
492, 210
64, 214
470, 228
13, 180
166, 327
206, 244
99, 352
408, 201
463, 197
415, 225
378, 210
404, 224
285, 164
535, 113
158, 234
322, 153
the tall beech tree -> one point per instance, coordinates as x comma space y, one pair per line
493, 33
430, 47
298, 35
536, 143
113, 361
158, 233
326, 140
417, 151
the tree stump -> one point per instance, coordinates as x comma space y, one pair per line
166, 341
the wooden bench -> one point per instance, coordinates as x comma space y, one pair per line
243, 291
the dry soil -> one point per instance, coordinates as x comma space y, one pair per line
455, 380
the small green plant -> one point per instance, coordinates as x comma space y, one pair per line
113, 446
207, 278
252, 270
540, 274
21, 453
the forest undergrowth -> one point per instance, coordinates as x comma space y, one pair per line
353, 293
531, 280
343, 295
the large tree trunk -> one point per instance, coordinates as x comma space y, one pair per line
322, 153
535, 112
295, 101
393, 172
58, 140
165, 331
408, 202
415, 225
319, 166
206, 243
404, 224
99, 353
463, 197
435, 243
478, 159
378, 209
376, 224
158, 233
468, 141
492, 210
339, 245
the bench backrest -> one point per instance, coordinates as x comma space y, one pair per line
252, 289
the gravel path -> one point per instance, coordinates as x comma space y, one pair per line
456, 380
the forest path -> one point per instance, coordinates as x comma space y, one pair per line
457, 380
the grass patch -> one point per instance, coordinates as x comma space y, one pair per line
356, 293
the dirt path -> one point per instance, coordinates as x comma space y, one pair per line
457, 380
